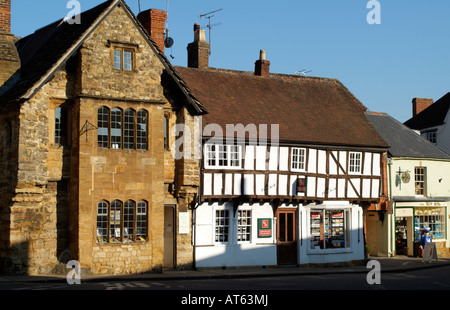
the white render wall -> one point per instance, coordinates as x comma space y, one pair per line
257, 252
263, 251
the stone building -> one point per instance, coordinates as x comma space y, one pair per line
87, 166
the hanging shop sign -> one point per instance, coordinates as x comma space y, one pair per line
265, 228
301, 185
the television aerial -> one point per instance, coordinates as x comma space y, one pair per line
210, 15
303, 72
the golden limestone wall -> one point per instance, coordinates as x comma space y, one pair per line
110, 174
50, 215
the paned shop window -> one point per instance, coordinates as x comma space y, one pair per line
121, 222
330, 229
244, 227
222, 228
118, 130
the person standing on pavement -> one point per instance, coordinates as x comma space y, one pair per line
424, 239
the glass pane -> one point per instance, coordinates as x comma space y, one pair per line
141, 221
102, 222
127, 61
116, 129
115, 221
128, 138
117, 59
316, 230
282, 227
103, 127
290, 227
128, 221
141, 130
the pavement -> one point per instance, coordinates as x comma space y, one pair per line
387, 264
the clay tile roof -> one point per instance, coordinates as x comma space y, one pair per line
307, 110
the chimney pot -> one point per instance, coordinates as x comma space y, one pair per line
262, 66
420, 104
198, 51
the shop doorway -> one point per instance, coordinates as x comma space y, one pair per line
286, 236
169, 237
404, 235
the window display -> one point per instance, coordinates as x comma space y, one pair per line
431, 217
328, 229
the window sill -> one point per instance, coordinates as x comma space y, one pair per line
329, 251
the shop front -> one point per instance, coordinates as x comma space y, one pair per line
411, 218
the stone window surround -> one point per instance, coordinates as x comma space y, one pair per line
139, 218
123, 47
138, 138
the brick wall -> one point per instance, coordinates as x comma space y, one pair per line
420, 104
154, 21
5, 15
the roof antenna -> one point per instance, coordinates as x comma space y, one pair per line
139, 5
168, 41
210, 27
303, 72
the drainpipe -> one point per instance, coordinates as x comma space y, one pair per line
392, 221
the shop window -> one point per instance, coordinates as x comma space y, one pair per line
330, 229
244, 225
298, 159
121, 222
420, 180
354, 162
222, 226
432, 218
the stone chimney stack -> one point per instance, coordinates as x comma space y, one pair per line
154, 21
9, 57
198, 51
420, 104
262, 66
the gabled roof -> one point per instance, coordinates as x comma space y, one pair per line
45, 51
403, 141
308, 110
432, 116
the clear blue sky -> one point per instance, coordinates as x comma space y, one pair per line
384, 66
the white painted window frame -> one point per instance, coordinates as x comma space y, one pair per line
300, 149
